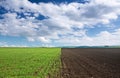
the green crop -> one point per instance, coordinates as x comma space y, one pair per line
30, 62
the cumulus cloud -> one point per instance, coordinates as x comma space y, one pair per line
103, 38
45, 22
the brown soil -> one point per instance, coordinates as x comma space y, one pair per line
90, 63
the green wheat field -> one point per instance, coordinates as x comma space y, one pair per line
30, 62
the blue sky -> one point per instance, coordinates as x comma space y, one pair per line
35, 23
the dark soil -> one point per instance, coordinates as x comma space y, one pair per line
90, 63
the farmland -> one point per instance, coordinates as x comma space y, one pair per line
59, 63
29, 62
90, 63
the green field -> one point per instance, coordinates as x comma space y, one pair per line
30, 62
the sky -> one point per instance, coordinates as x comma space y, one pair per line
50, 23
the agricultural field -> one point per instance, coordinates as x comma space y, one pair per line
90, 63
30, 62
59, 62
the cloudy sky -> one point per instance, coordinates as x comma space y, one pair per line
59, 22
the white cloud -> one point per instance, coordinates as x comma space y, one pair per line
6, 44
47, 45
60, 20
107, 38
43, 39
30, 39
2, 43
103, 38
13, 46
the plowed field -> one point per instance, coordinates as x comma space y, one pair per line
90, 63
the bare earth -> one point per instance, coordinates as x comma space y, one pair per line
90, 63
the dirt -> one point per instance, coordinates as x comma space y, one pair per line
90, 63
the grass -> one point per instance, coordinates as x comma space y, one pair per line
29, 62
